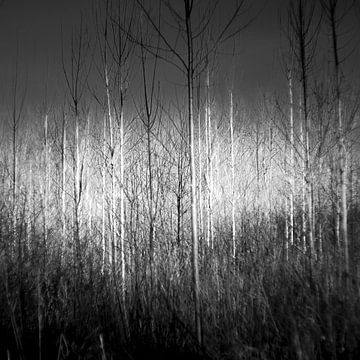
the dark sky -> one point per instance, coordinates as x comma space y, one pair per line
34, 26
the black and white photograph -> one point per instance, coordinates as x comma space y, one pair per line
179, 179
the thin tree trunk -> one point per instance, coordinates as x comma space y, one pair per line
209, 164
103, 203
194, 229
122, 202
14, 180
292, 161
320, 220
88, 198
342, 162
343, 193
303, 186
46, 191
201, 230
29, 225
287, 229
269, 180
334, 176
63, 185
233, 202
112, 174
151, 197
76, 220
335, 18
309, 187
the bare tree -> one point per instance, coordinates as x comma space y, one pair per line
116, 49
233, 203
209, 162
15, 248
149, 117
335, 14
63, 183
191, 65
76, 71
303, 29
292, 159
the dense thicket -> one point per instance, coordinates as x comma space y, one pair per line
96, 241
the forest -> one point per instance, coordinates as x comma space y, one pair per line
146, 211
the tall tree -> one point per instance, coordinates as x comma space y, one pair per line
76, 69
233, 203
209, 162
335, 14
117, 20
149, 117
15, 247
191, 64
303, 29
292, 159
63, 183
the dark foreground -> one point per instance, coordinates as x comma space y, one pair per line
257, 306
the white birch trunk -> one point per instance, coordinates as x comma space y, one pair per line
45, 165
303, 186
292, 161
103, 202
122, 205
233, 201
63, 186
209, 164
194, 228
113, 226
201, 225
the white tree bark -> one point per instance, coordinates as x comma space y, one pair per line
209, 175
292, 161
233, 201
